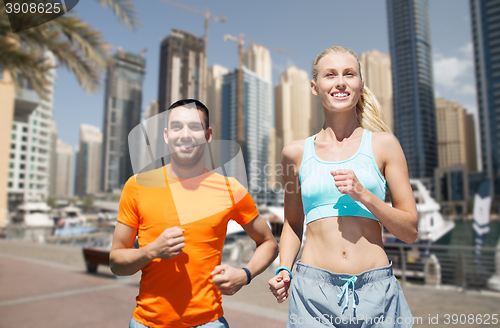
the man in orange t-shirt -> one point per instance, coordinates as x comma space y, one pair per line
180, 213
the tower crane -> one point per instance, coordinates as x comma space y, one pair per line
208, 16
241, 42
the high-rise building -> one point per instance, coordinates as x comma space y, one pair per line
88, 161
453, 135
181, 68
122, 112
412, 84
292, 106
64, 165
470, 142
317, 114
7, 101
272, 171
53, 159
30, 149
486, 38
258, 60
256, 122
152, 109
376, 73
215, 75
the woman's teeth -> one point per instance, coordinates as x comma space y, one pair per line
340, 94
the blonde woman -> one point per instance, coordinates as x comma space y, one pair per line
338, 186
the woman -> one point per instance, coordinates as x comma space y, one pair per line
338, 179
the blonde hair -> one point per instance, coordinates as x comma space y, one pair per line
368, 111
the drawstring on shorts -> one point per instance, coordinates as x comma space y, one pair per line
345, 290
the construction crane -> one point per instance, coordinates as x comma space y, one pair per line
241, 43
208, 17
121, 52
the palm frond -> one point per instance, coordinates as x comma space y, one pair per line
18, 62
124, 10
76, 46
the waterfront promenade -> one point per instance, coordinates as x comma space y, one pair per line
47, 286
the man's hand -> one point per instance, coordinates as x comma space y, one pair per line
169, 244
228, 280
279, 284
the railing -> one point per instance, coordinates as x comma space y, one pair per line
100, 237
463, 266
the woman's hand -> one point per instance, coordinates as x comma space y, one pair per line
348, 184
279, 285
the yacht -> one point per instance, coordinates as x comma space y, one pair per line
71, 217
431, 224
33, 214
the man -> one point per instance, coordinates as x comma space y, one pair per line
181, 229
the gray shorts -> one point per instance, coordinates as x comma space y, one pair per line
320, 298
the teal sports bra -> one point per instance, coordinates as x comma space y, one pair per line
320, 196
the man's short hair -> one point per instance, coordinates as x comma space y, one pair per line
199, 105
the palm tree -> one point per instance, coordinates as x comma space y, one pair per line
76, 46
88, 203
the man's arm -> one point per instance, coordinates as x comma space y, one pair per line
124, 260
267, 250
267, 247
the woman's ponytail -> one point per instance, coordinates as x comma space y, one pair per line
369, 113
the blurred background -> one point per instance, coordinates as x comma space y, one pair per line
72, 89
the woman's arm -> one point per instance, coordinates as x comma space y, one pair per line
291, 236
401, 219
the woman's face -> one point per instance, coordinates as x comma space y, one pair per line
338, 83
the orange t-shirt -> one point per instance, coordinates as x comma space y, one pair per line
179, 292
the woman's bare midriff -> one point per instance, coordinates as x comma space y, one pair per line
344, 244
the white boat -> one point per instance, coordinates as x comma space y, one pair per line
71, 217
33, 214
431, 224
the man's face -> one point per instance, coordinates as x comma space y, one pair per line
186, 135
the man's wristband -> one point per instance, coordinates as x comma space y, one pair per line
284, 268
249, 275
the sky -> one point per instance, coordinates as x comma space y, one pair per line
303, 27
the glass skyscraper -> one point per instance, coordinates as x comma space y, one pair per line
486, 36
413, 86
256, 122
122, 112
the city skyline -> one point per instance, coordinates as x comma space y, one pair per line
452, 53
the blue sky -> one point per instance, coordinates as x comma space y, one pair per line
303, 27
